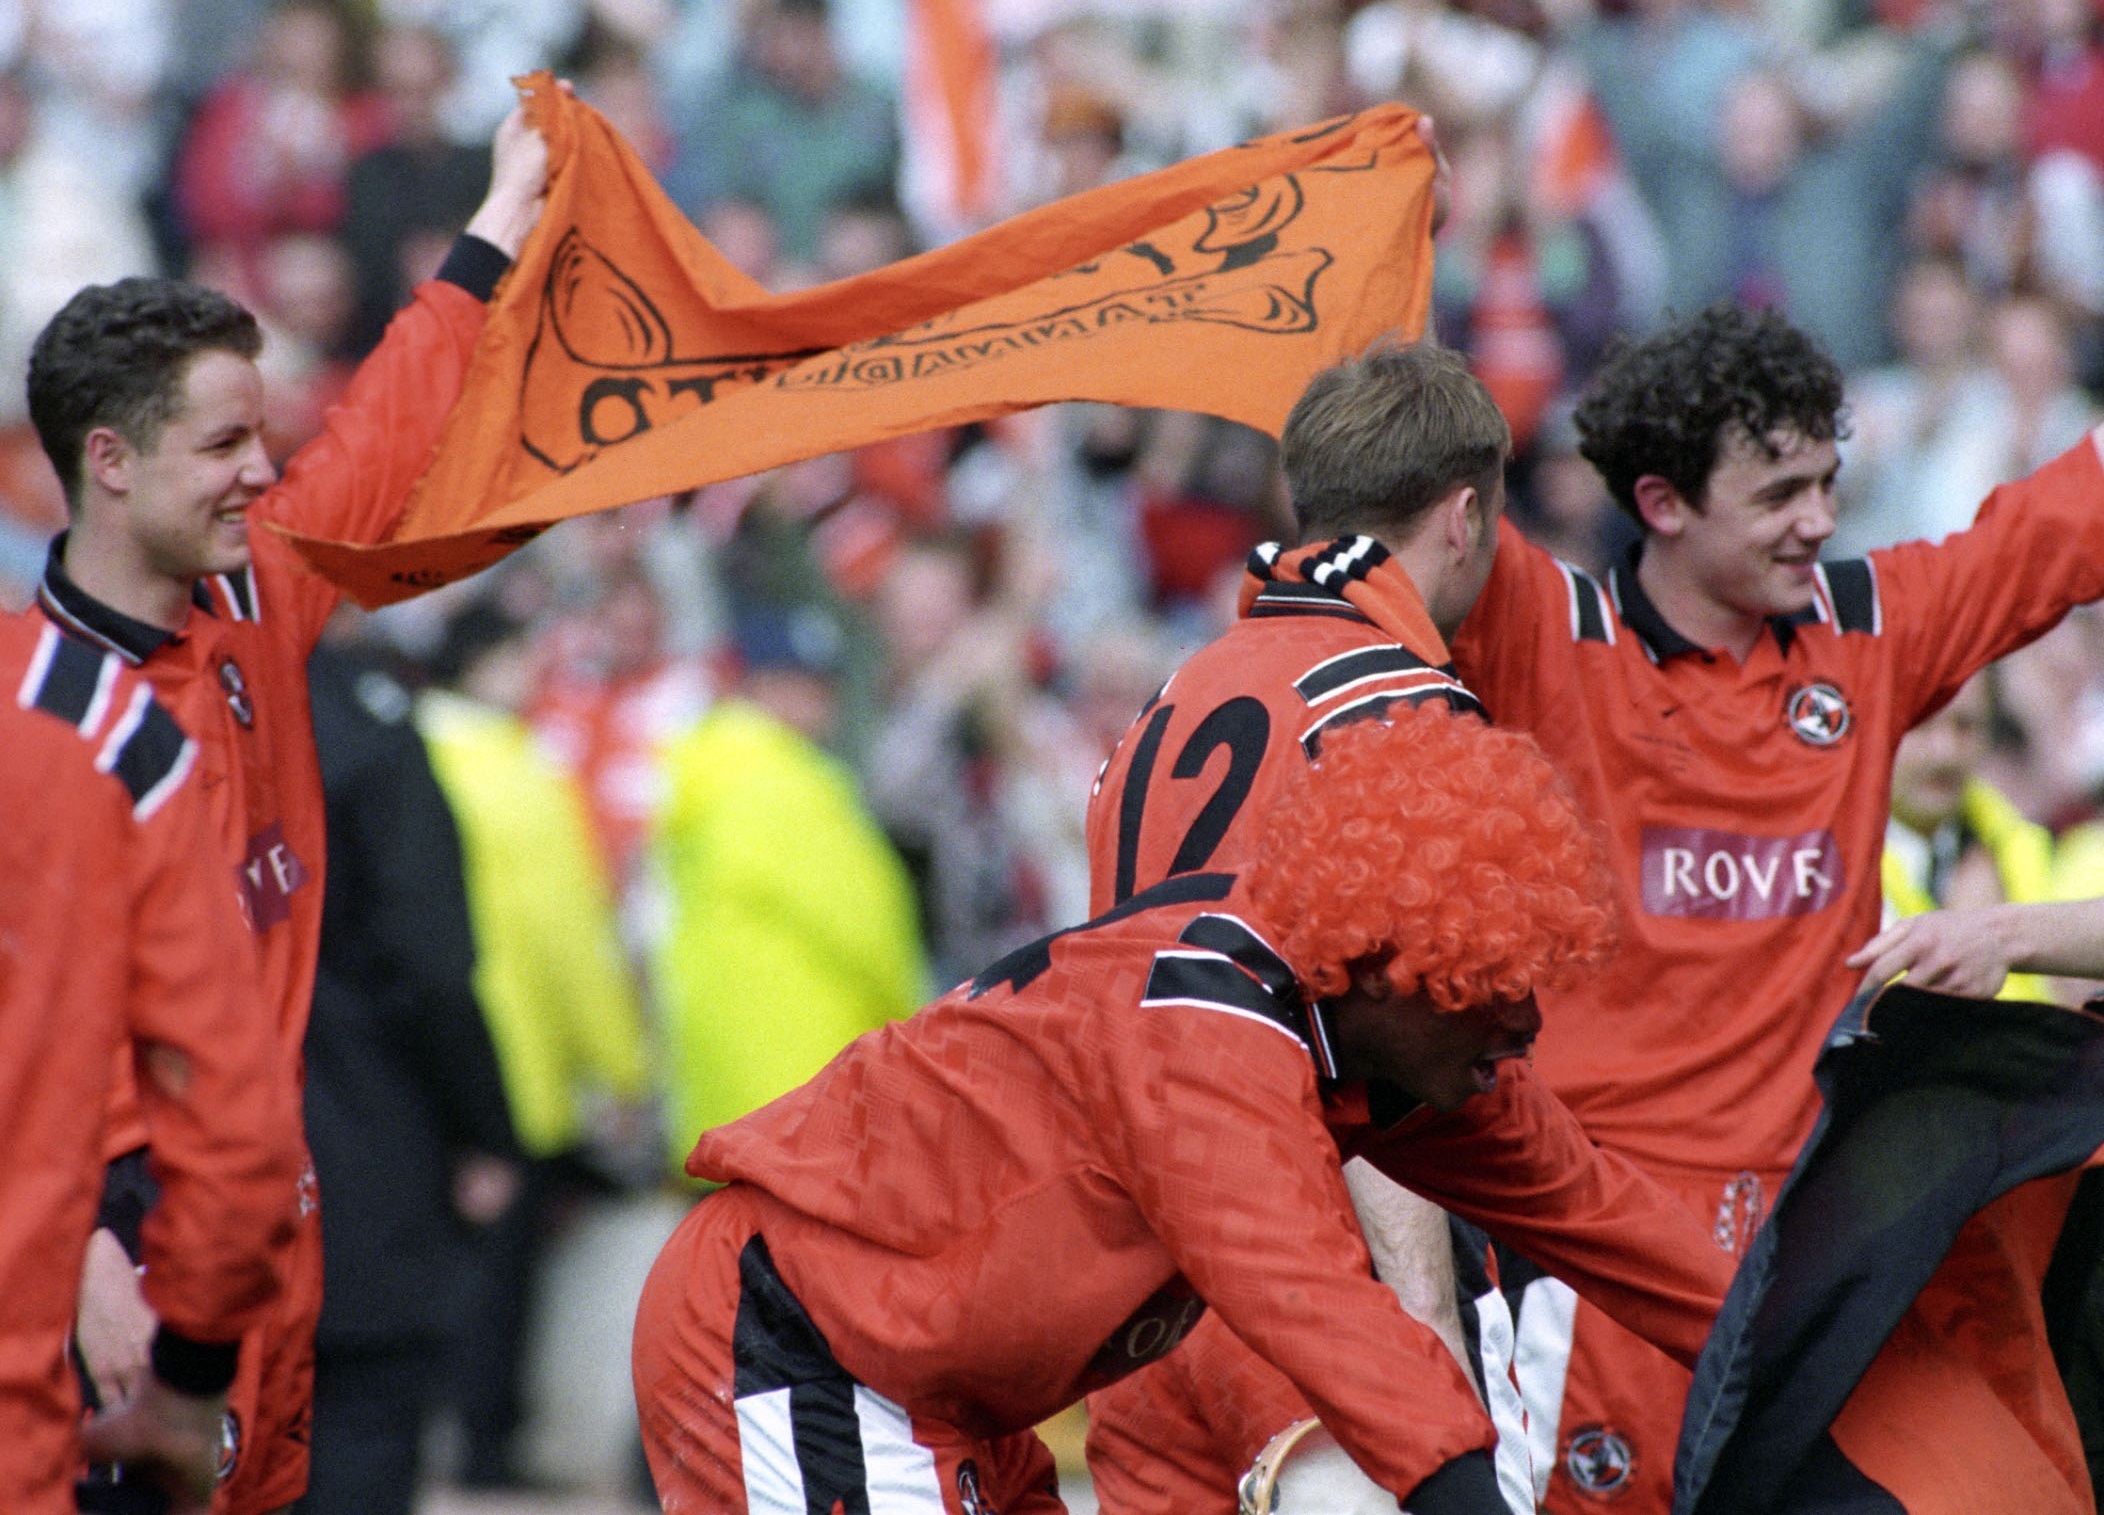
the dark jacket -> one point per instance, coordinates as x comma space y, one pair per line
401, 1076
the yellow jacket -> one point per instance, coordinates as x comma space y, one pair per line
2023, 861
549, 968
793, 927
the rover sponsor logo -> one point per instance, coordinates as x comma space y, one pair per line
1728, 876
268, 876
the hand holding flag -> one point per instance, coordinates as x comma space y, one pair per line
624, 357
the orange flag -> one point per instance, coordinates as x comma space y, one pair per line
624, 358
949, 111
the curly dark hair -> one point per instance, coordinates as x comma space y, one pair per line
1669, 404
115, 356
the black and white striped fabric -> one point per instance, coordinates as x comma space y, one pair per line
809, 1436
136, 740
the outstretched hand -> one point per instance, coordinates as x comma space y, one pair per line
1967, 952
172, 1438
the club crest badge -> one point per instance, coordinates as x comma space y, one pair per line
1600, 1462
1819, 714
969, 1499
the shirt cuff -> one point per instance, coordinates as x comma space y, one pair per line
196, 1368
475, 265
1466, 1486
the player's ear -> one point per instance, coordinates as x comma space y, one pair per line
1462, 519
1661, 507
107, 458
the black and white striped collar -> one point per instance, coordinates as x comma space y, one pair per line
86, 617
1846, 599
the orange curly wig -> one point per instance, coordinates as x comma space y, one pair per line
1445, 847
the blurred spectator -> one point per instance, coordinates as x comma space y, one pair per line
555, 987
270, 149
494, 42
1759, 198
1082, 140
786, 126
405, 1109
862, 233
614, 685
2052, 693
96, 67
1530, 296
610, 72
1936, 432
408, 198
1953, 839
744, 233
306, 304
2015, 225
959, 671
792, 923
2045, 412
2057, 40
1200, 519
1922, 449
64, 221
1558, 500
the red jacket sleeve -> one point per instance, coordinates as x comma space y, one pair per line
222, 1118
351, 482
2035, 551
1517, 1163
1220, 1141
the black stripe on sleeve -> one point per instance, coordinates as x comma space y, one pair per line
69, 685
475, 265
1232, 938
1589, 615
1333, 674
241, 589
1375, 707
1020, 968
1854, 587
150, 754
1215, 983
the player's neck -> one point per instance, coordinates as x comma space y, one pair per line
104, 561
1689, 608
1427, 571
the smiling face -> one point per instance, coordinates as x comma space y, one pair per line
187, 493
1443, 1057
1721, 567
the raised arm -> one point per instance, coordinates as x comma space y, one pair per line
352, 482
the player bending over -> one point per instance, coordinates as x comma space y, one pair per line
1042, 1181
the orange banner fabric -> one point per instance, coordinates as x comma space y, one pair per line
624, 358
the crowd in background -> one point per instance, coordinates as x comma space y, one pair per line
801, 749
